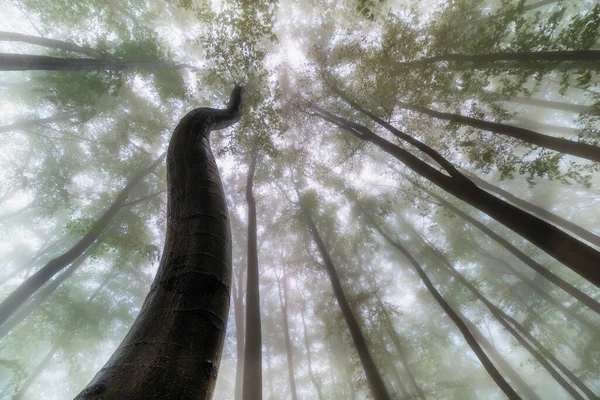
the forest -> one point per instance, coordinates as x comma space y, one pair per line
248, 200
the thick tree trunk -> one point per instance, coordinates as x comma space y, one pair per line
469, 338
252, 383
283, 301
576, 255
316, 381
588, 58
63, 116
238, 310
546, 273
18, 297
534, 347
539, 211
50, 43
374, 379
173, 349
563, 146
27, 62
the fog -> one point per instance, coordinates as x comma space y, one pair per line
411, 189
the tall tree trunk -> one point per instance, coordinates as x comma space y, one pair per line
589, 58
397, 382
563, 146
63, 116
18, 297
539, 211
374, 379
316, 381
576, 255
549, 104
173, 349
252, 384
238, 310
27, 62
546, 273
50, 43
283, 301
525, 8
531, 124
269, 371
469, 338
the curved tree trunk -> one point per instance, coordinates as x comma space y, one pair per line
576, 255
252, 383
28, 62
539, 211
50, 43
283, 301
374, 379
18, 297
468, 336
173, 349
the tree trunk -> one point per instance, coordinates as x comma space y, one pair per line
546, 273
252, 384
238, 310
469, 338
531, 124
316, 381
561, 145
576, 255
50, 43
539, 211
397, 382
283, 301
526, 8
589, 58
549, 104
374, 379
18, 297
63, 116
173, 349
27, 62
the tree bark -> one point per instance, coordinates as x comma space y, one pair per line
283, 301
374, 379
469, 338
587, 57
27, 62
252, 383
50, 43
563, 146
576, 255
539, 211
173, 349
559, 282
18, 297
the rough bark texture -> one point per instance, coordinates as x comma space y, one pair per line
539, 211
252, 383
283, 301
18, 297
50, 43
376, 384
173, 349
576, 255
27, 62
468, 336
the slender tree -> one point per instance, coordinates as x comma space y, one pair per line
376, 384
18, 297
289, 351
238, 309
252, 383
46, 42
173, 349
316, 381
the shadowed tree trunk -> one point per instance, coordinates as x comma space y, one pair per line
374, 379
539, 211
531, 124
27, 62
238, 309
581, 258
283, 301
18, 297
546, 273
316, 381
50, 43
173, 349
469, 338
252, 383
